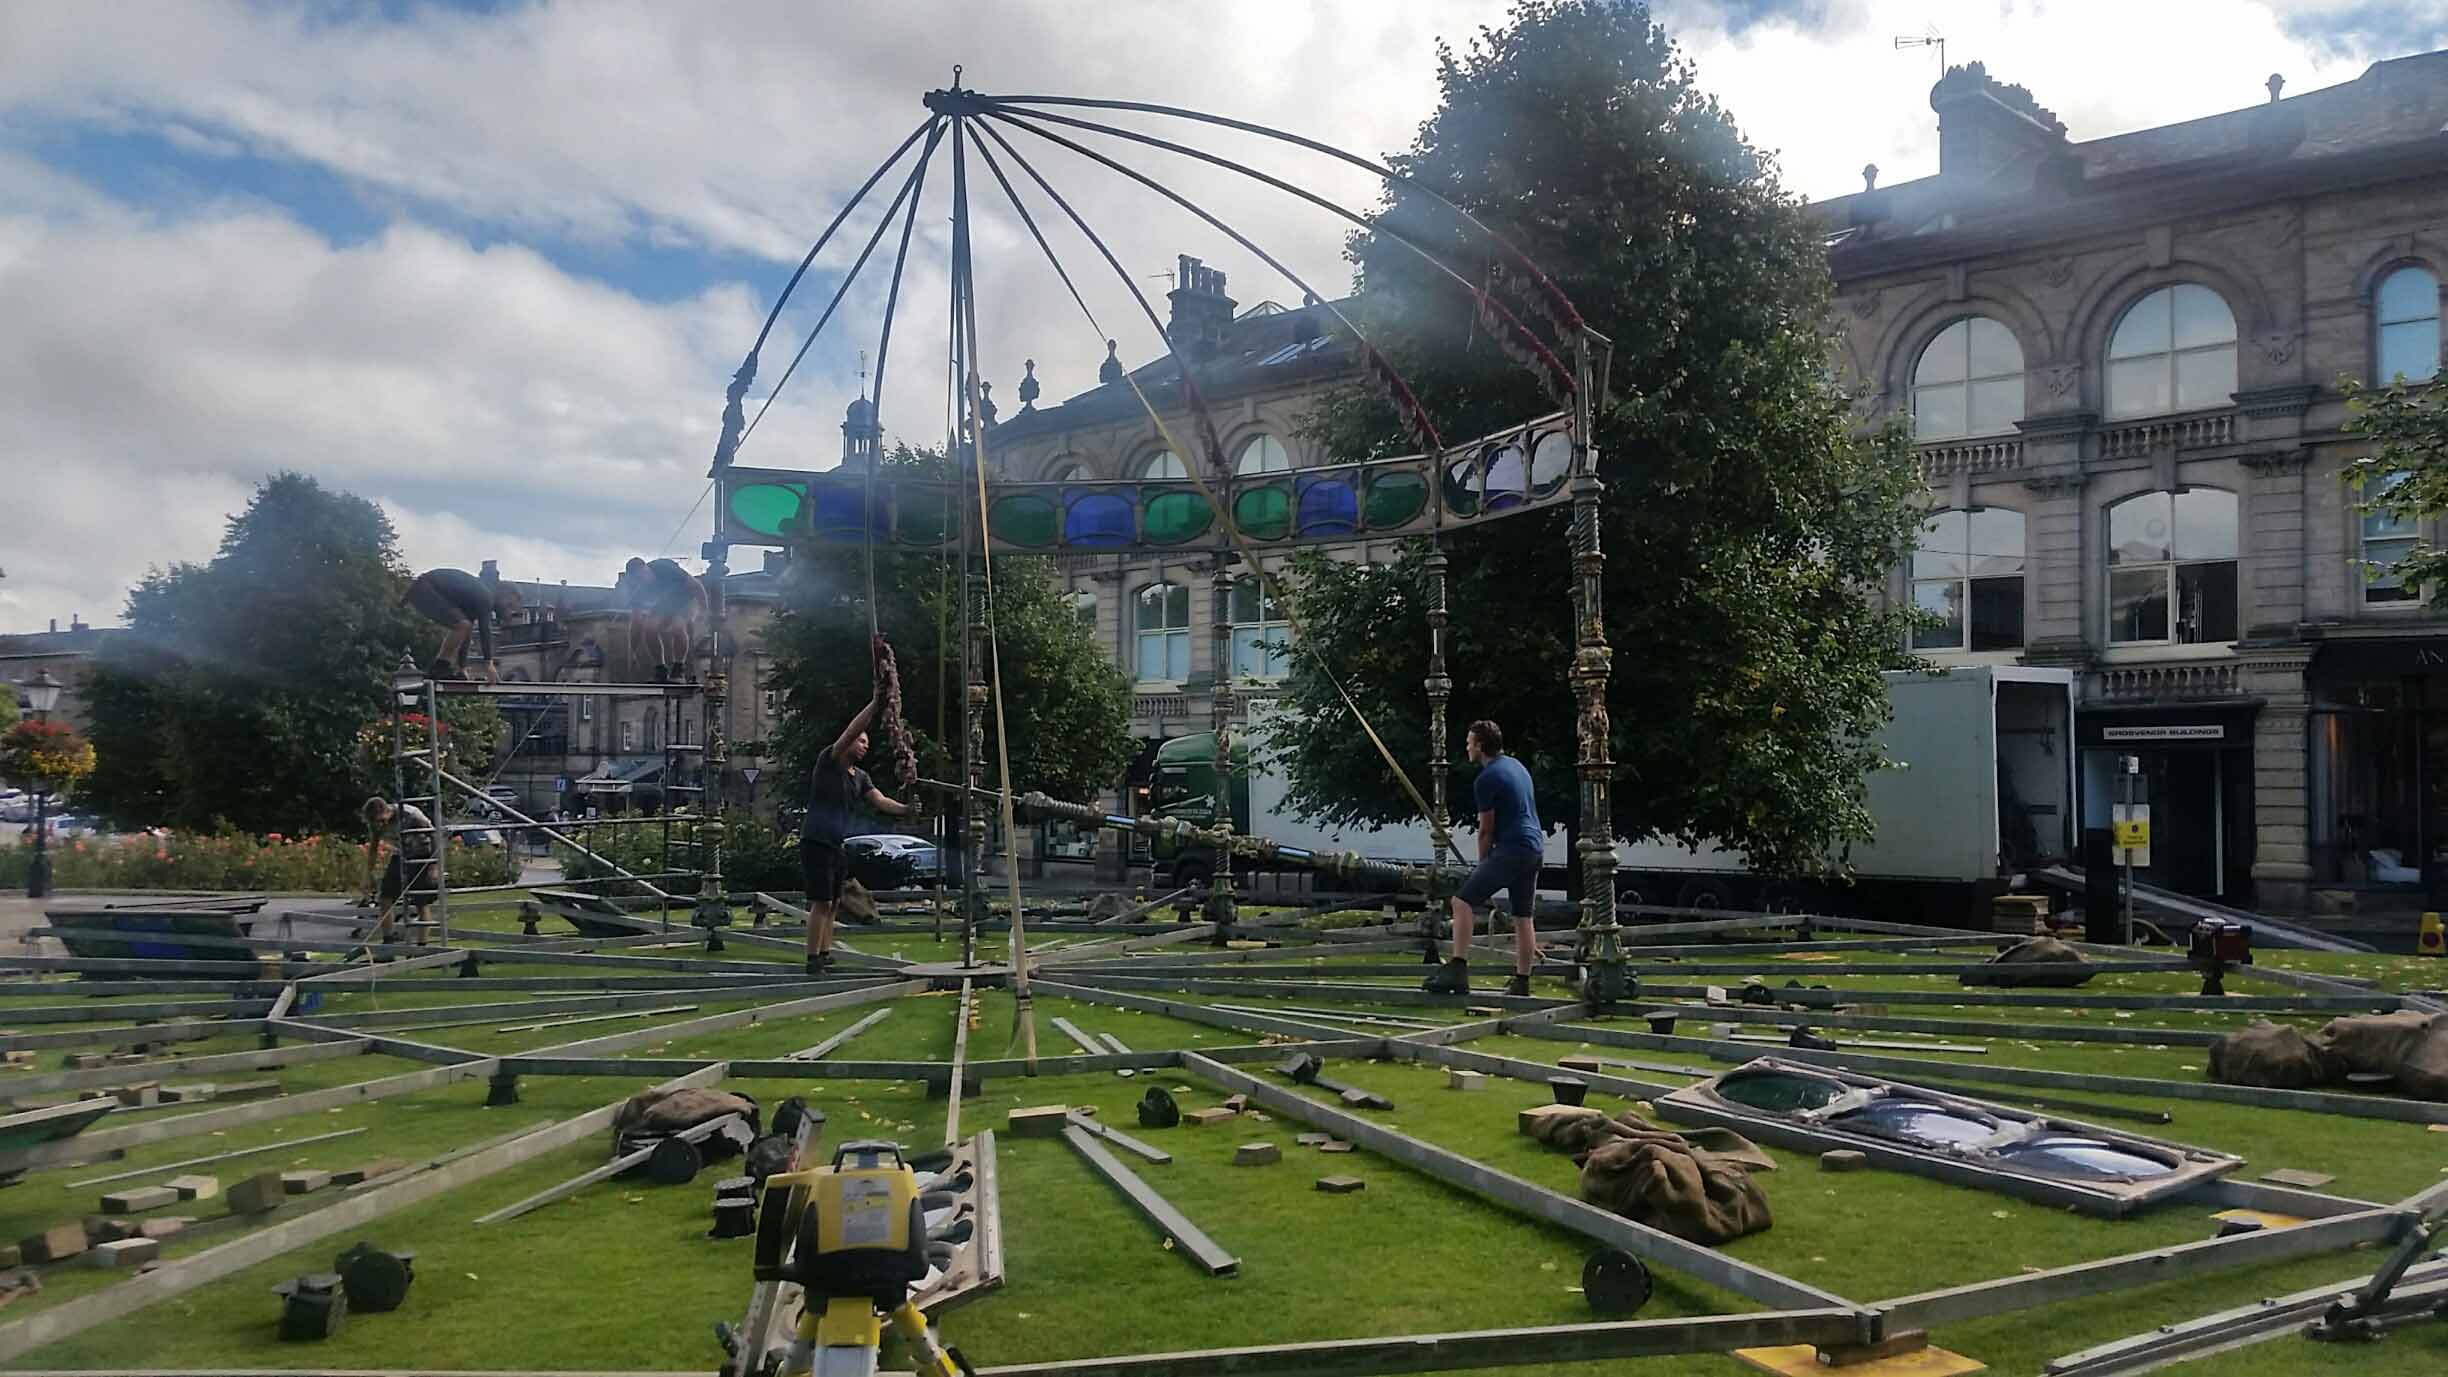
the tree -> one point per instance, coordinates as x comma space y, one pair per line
1746, 524
238, 697
2405, 474
1068, 706
8, 707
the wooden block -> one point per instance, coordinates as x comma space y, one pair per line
1341, 1185
1334, 1145
1715, 994
1458, 1079
163, 1227
1581, 1061
127, 1252
1528, 1120
304, 1182
143, 1096
248, 1090
2262, 1218
187, 1094
1802, 1360
1310, 1139
196, 1186
11, 1255
1843, 1159
1257, 1155
1244, 944
84, 1061
104, 1228
2289, 1176
1200, 1118
53, 1244
1483, 1010
1236, 1103
1044, 1121
138, 1200
257, 1194
375, 1170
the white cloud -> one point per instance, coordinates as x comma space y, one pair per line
503, 406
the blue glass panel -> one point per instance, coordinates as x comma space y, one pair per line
2066, 1156
835, 511
1329, 507
1099, 520
1926, 1125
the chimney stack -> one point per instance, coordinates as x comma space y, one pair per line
1201, 310
1984, 125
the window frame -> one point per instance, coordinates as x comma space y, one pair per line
1965, 600
1241, 456
1145, 469
2381, 323
1276, 630
1967, 383
2410, 536
2170, 353
1084, 609
2170, 570
1065, 469
1165, 631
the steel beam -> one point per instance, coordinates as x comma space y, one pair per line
738, 1018
2226, 1329
130, 1073
1189, 1240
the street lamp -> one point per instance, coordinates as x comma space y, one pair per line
42, 695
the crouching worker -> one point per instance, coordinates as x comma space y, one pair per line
409, 878
462, 602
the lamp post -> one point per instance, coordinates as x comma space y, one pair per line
42, 695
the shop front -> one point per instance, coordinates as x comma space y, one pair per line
2195, 776
2379, 770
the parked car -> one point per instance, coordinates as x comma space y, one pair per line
896, 852
16, 805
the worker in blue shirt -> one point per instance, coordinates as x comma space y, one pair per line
1511, 845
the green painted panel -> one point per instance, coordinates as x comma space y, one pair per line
763, 507
1169, 518
1264, 513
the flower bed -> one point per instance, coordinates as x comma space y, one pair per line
185, 860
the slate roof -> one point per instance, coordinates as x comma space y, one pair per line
1265, 347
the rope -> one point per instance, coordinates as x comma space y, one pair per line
1232, 528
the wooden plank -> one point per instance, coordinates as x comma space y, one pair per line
351, 1212
695, 1134
835, 1042
215, 1157
1757, 1283
839, 998
1189, 1240
960, 1055
171, 1068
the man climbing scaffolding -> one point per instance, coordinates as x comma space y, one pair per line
1511, 844
463, 602
834, 785
665, 602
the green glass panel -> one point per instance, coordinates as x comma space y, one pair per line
1395, 498
1780, 1092
1028, 521
1264, 513
1173, 517
922, 514
763, 507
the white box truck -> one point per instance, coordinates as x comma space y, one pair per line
1983, 793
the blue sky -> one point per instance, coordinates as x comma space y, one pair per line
492, 263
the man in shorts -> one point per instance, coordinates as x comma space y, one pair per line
665, 603
410, 876
1511, 845
462, 602
834, 785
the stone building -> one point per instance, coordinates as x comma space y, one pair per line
2121, 361
68, 655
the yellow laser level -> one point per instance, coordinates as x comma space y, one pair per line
852, 1236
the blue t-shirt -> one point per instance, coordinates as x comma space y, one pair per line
1503, 788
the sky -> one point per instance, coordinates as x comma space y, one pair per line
492, 264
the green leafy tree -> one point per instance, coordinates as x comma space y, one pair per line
1068, 706
2405, 473
8, 706
1746, 523
238, 698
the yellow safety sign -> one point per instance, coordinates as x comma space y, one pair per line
2133, 831
2429, 942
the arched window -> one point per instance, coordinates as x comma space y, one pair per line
2174, 350
1084, 609
1263, 454
1969, 382
1066, 471
1164, 463
1160, 624
2387, 538
2406, 312
2172, 568
1261, 633
1968, 570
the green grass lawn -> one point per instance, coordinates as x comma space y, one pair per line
621, 1275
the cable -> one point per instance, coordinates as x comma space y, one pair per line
892, 303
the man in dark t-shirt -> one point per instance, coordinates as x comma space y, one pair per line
462, 602
834, 786
1511, 845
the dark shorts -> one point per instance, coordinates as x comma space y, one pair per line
435, 605
823, 868
393, 881
1513, 871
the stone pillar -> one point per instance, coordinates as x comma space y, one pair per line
2281, 765
2053, 560
1220, 900
2273, 541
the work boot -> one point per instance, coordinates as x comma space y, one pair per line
662, 674
1518, 986
1451, 978
819, 963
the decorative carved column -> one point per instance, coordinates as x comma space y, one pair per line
711, 910
1221, 909
973, 754
1440, 692
1600, 939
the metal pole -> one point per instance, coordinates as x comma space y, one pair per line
38, 875
716, 742
2133, 767
1600, 945
441, 830
1220, 904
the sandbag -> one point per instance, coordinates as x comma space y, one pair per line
2410, 1046
1711, 1144
856, 904
2037, 961
2276, 1056
654, 1112
2424, 1072
1577, 1129
1658, 1179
